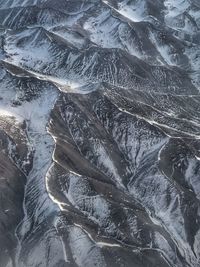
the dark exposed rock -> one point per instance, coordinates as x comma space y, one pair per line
99, 133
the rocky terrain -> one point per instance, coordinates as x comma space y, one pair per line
99, 133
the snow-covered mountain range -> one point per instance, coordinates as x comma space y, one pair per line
99, 133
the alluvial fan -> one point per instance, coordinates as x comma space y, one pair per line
99, 133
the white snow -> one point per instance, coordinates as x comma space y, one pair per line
135, 12
163, 49
84, 251
36, 114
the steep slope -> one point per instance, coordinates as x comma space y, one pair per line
99, 133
